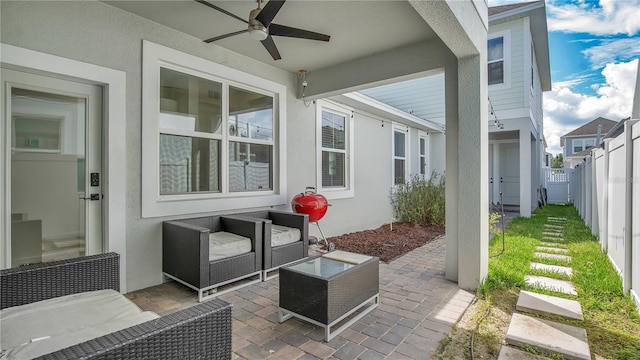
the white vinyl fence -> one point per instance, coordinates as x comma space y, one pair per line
605, 189
556, 181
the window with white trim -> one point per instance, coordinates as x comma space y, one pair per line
582, 144
334, 132
210, 136
400, 142
423, 153
498, 65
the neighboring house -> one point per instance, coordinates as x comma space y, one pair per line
122, 118
518, 70
576, 144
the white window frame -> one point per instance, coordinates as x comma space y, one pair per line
154, 204
422, 135
575, 143
407, 158
348, 191
506, 58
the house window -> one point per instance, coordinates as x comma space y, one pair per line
209, 136
495, 56
400, 156
423, 153
578, 145
334, 129
498, 66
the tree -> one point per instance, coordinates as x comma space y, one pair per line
557, 162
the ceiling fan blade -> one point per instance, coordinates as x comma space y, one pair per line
271, 48
281, 30
225, 36
206, 3
269, 11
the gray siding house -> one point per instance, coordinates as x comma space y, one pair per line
519, 72
575, 144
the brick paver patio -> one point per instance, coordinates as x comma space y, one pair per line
418, 307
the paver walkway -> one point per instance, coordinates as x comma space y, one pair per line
543, 335
418, 307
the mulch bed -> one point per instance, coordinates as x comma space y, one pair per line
386, 244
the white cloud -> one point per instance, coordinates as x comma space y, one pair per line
566, 110
612, 50
610, 18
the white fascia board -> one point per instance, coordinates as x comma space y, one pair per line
412, 119
517, 11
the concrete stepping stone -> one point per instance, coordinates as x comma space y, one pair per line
552, 226
552, 234
544, 335
541, 255
547, 283
553, 244
552, 268
557, 218
548, 238
544, 304
553, 250
511, 353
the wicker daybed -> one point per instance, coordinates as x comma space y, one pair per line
200, 332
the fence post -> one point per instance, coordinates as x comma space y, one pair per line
588, 181
628, 233
604, 227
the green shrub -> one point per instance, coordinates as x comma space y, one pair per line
420, 201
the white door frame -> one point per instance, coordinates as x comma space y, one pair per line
114, 135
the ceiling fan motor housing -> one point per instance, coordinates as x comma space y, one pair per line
257, 30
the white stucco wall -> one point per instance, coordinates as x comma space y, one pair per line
97, 33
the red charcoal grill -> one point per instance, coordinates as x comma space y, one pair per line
313, 204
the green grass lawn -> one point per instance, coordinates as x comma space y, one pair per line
611, 319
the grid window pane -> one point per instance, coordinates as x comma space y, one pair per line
496, 72
333, 169
250, 167
188, 165
398, 144
398, 168
333, 130
250, 114
189, 103
423, 146
495, 49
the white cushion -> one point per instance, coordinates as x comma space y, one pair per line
223, 245
282, 235
42, 327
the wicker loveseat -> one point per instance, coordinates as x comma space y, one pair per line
200, 332
189, 255
278, 252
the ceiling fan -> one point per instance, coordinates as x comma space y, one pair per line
261, 28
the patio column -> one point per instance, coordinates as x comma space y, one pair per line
467, 171
525, 172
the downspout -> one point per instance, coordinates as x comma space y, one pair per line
599, 135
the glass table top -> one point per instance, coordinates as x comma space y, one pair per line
321, 267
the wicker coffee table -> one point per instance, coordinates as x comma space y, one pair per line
327, 289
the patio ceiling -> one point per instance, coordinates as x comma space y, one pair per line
358, 29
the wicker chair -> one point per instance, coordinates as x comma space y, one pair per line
186, 259
277, 256
200, 332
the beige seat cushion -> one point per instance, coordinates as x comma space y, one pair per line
282, 235
35, 329
224, 244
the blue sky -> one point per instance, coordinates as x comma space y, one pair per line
594, 46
